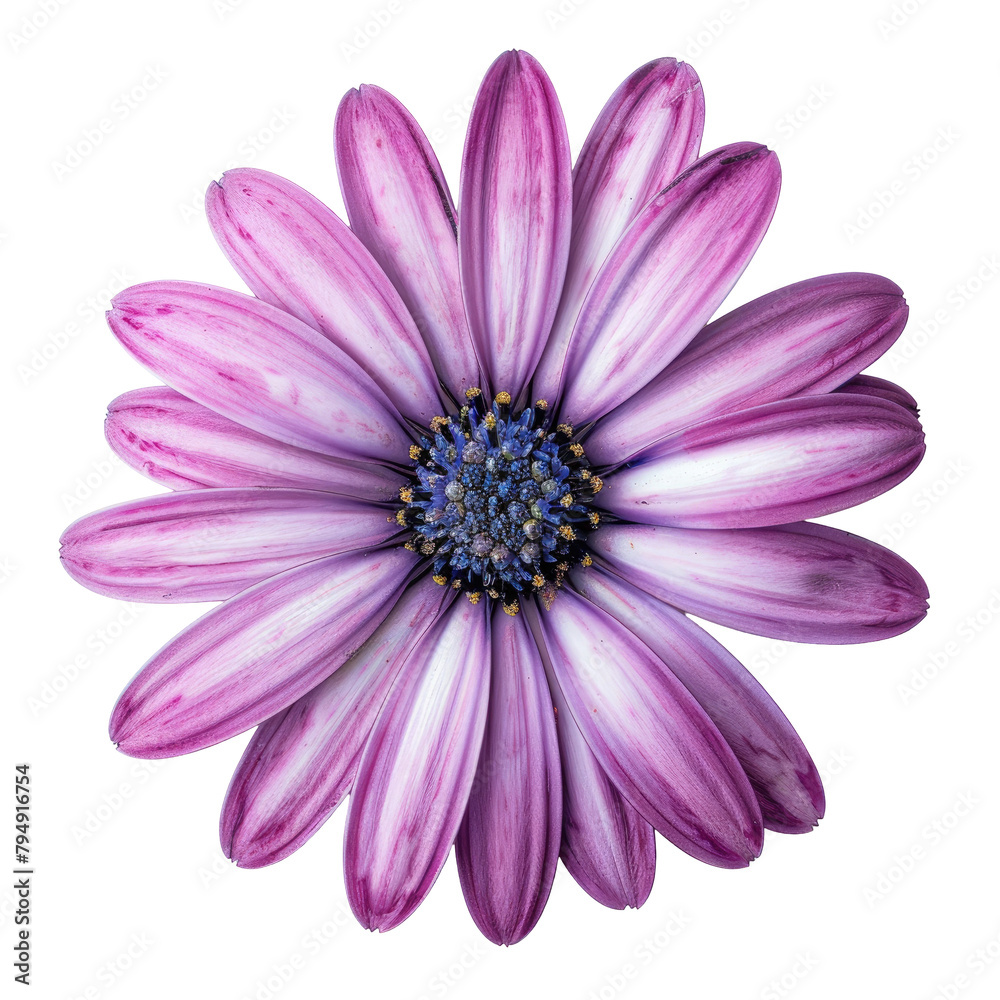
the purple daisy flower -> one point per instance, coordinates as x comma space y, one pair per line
458, 478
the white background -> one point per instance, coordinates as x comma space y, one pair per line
895, 893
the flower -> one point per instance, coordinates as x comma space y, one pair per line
458, 478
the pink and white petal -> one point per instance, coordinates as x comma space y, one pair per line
507, 847
773, 464
783, 775
400, 207
301, 763
606, 845
417, 770
664, 754
258, 652
802, 582
184, 445
208, 545
259, 366
800, 340
647, 133
516, 205
294, 253
667, 275
869, 385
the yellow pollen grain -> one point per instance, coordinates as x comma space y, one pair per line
493, 593
401, 518
456, 584
567, 532
490, 420
585, 473
405, 494
595, 518
542, 404
586, 561
415, 451
512, 608
474, 597
439, 579
566, 429
567, 500
472, 392
538, 580
563, 567
437, 423
596, 483
577, 450
503, 398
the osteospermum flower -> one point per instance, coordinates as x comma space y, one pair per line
457, 477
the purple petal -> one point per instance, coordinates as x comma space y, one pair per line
417, 770
208, 545
399, 205
800, 340
182, 444
654, 740
257, 653
779, 767
773, 464
802, 582
868, 385
295, 253
301, 763
667, 275
606, 845
648, 132
508, 845
516, 200
258, 366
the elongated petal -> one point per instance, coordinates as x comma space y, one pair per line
800, 340
647, 133
417, 770
258, 366
803, 582
606, 845
301, 763
257, 653
773, 464
399, 205
508, 845
654, 740
667, 275
184, 445
208, 545
868, 385
516, 203
295, 253
779, 767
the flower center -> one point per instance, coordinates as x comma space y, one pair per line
500, 503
